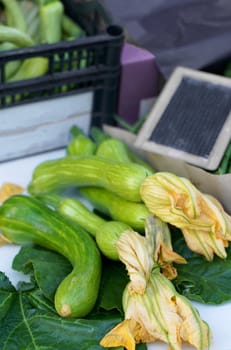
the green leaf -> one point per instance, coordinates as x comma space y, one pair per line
29, 319
5, 284
113, 281
7, 292
201, 280
27, 327
49, 268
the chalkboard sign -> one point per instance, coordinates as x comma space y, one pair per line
191, 119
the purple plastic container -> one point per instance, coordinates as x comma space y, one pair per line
139, 76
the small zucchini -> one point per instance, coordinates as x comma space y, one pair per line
133, 214
26, 220
80, 144
106, 233
120, 178
113, 148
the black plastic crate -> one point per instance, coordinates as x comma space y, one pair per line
91, 63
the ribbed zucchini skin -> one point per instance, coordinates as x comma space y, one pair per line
121, 178
133, 214
25, 220
106, 233
113, 148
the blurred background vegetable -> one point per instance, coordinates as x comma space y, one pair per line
29, 23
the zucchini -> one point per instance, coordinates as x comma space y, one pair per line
113, 148
80, 144
116, 149
106, 233
120, 178
119, 209
26, 220
51, 16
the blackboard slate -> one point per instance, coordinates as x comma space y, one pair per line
194, 117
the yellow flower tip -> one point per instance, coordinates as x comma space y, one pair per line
194, 330
205, 243
169, 272
4, 240
166, 258
177, 201
121, 335
169, 256
9, 189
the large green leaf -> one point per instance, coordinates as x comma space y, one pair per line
28, 328
200, 280
29, 319
6, 295
48, 268
113, 281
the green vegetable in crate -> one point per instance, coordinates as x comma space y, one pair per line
13, 66
71, 29
80, 144
25, 220
133, 214
16, 19
17, 36
14, 15
106, 233
31, 68
14, 36
51, 17
120, 178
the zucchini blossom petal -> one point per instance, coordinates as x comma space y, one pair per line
203, 221
162, 247
156, 312
9, 189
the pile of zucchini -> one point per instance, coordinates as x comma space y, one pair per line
107, 175
26, 23
83, 205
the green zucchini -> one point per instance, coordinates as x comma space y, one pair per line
120, 178
26, 220
51, 17
15, 15
113, 148
106, 233
116, 149
31, 68
14, 36
80, 144
119, 209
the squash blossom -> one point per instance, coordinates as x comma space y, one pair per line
162, 247
204, 223
7, 190
153, 309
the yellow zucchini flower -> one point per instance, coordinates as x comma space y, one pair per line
153, 311
9, 189
162, 247
203, 221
